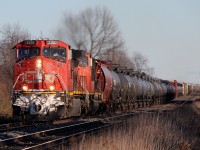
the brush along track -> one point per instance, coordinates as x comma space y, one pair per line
46, 138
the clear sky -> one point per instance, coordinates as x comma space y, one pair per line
167, 32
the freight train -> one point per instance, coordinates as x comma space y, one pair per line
53, 81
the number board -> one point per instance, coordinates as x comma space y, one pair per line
52, 42
30, 42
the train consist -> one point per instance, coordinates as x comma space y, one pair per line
52, 81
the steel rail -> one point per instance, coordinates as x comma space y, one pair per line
2, 126
53, 143
39, 133
57, 131
18, 125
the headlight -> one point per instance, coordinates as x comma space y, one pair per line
25, 88
51, 88
39, 63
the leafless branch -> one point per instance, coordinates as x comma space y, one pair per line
93, 29
141, 63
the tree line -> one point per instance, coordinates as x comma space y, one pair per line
93, 29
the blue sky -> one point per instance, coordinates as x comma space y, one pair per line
167, 32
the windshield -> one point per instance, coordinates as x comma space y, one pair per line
28, 52
55, 53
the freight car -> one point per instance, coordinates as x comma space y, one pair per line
52, 81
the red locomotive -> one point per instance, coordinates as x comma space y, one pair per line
51, 80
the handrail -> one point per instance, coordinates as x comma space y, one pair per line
62, 82
17, 79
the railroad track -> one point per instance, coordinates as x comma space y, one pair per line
18, 125
185, 100
3, 127
48, 138
51, 137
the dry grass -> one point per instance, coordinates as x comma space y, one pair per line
178, 129
5, 100
196, 107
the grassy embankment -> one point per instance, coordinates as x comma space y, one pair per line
174, 130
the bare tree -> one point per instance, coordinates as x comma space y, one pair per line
121, 58
9, 36
94, 30
140, 63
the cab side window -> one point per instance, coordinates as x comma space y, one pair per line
84, 61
